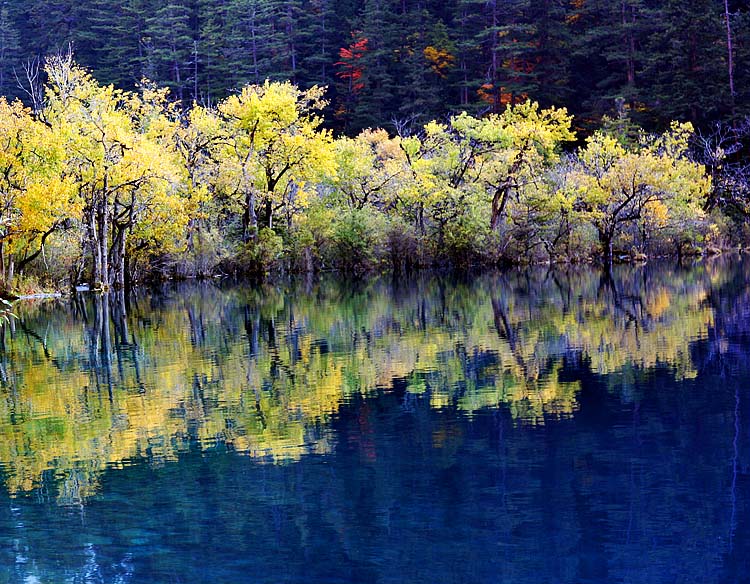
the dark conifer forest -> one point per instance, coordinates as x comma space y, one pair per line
397, 62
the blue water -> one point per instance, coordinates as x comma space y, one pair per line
522, 427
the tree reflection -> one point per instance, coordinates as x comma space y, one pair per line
104, 381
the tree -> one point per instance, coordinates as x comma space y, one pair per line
470, 172
272, 145
608, 54
10, 51
651, 185
120, 169
169, 48
683, 64
35, 200
367, 170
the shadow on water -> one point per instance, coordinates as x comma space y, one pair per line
542, 425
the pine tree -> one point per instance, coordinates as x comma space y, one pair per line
607, 54
317, 43
550, 54
251, 42
212, 24
467, 27
376, 104
169, 47
108, 40
426, 61
49, 26
684, 65
10, 51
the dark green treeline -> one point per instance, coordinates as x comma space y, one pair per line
409, 60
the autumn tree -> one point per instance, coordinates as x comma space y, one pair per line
273, 145
652, 185
36, 200
368, 169
121, 171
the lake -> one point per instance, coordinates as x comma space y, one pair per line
540, 426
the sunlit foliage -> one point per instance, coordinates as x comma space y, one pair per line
133, 186
651, 185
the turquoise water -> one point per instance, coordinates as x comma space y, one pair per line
536, 426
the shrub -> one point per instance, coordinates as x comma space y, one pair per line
261, 255
358, 241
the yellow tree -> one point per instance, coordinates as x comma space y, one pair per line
368, 169
517, 146
195, 140
34, 200
652, 183
273, 142
120, 168
472, 167
154, 216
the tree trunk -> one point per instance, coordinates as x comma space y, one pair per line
730, 54
102, 256
499, 202
249, 218
94, 247
11, 270
605, 239
129, 272
118, 258
269, 211
2, 263
629, 43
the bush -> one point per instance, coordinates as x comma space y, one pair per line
59, 266
404, 250
261, 255
358, 240
465, 241
208, 250
310, 238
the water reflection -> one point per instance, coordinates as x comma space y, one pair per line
100, 382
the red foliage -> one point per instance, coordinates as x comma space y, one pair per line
351, 71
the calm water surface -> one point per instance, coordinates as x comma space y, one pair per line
527, 427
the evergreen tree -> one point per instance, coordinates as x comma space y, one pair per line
607, 55
317, 43
10, 51
109, 41
252, 42
550, 53
662, 59
376, 103
684, 65
48, 26
169, 48
426, 61
467, 27
212, 22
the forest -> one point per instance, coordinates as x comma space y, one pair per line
396, 62
170, 141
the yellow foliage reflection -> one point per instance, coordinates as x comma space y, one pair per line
102, 382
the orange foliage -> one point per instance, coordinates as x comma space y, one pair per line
578, 6
440, 60
500, 95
